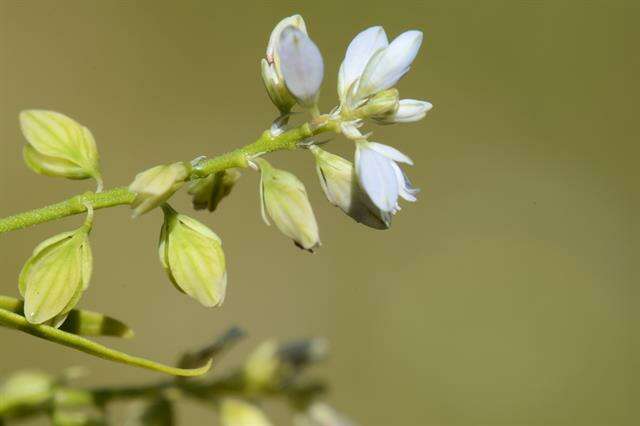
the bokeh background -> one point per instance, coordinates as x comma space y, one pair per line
503, 297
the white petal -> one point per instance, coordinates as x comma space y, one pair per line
359, 52
377, 177
405, 189
410, 110
350, 130
387, 67
390, 153
301, 65
295, 20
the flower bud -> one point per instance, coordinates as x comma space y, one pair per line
156, 185
59, 146
284, 198
340, 184
271, 72
408, 111
381, 105
320, 414
25, 391
208, 192
193, 258
301, 65
236, 412
54, 278
155, 412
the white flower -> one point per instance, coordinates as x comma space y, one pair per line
408, 111
301, 65
380, 176
372, 64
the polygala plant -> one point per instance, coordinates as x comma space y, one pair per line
58, 272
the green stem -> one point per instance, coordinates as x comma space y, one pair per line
122, 196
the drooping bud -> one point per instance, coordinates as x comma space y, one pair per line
208, 192
320, 414
271, 72
301, 65
58, 272
408, 111
380, 106
192, 256
285, 199
59, 146
340, 184
156, 185
236, 412
25, 391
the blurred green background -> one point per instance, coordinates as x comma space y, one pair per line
503, 297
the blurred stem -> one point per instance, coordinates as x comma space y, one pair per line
240, 157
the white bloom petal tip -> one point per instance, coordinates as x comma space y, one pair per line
301, 65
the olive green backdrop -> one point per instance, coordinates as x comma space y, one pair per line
503, 297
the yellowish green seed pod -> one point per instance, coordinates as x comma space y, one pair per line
156, 185
25, 391
54, 278
285, 200
192, 257
208, 192
59, 146
340, 184
237, 412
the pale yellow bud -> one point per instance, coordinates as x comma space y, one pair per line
236, 412
193, 258
59, 146
285, 199
156, 185
380, 106
208, 192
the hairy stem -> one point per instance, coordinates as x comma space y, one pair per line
122, 196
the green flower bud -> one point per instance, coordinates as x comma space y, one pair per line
340, 184
25, 391
193, 258
54, 278
382, 105
208, 192
236, 412
59, 146
156, 185
157, 412
284, 198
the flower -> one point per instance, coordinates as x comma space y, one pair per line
156, 185
55, 276
409, 110
339, 183
270, 66
59, 146
192, 257
381, 177
208, 192
301, 65
237, 412
285, 199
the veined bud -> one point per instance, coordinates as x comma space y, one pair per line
301, 65
156, 185
25, 391
192, 256
59, 146
408, 111
285, 199
236, 412
208, 192
380, 106
320, 414
58, 272
340, 184
271, 71
272, 363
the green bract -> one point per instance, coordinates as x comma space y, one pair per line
54, 278
208, 192
193, 258
59, 146
156, 185
285, 199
